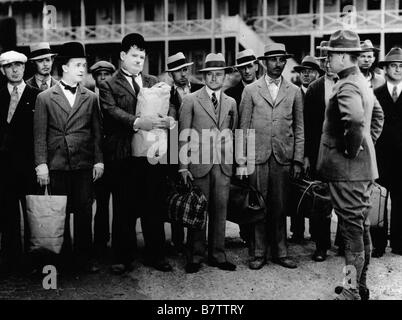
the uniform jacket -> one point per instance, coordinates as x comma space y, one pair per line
67, 138
118, 102
176, 100
278, 126
197, 113
236, 92
389, 144
16, 137
353, 122
32, 82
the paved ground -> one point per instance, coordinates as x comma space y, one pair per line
311, 280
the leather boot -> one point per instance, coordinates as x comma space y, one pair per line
364, 291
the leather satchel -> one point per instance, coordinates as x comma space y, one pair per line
246, 203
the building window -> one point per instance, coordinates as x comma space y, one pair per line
207, 9
374, 4
283, 7
149, 11
345, 3
303, 6
234, 7
191, 10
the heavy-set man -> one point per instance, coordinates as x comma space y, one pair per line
42, 59
388, 146
273, 107
17, 103
208, 113
68, 151
346, 159
136, 183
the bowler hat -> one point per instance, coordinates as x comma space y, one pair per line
71, 50
344, 41
394, 55
177, 61
133, 39
213, 62
275, 50
102, 65
40, 50
245, 57
309, 62
367, 45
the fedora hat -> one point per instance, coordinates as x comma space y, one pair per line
213, 62
40, 50
344, 41
367, 45
323, 50
71, 50
394, 55
102, 66
311, 63
177, 61
275, 50
245, 57
12, 56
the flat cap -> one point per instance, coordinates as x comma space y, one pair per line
12, 56
102, 65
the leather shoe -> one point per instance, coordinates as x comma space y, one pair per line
286, 262
228, 266
319, 256
364, 293
161, 265
193, 267
257, 263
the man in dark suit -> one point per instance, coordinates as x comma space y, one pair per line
346, 158
16, 156
274, 108
178, 69
315, 102
208, 113
68, 150
136, 184
388, 146
248, 66
309, 71
42, 59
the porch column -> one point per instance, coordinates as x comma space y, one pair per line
265, 13
10, 9
83, 23
166, 33
312, 45
213, 7
322, 15
382, 38
123, 17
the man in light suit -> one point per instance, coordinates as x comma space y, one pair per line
346, 158
136, 183
273, 107
366, 64
17, 103
207, 113
42, 59
68, 149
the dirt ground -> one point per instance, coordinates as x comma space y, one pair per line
310, 281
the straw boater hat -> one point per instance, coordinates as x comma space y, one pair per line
12, 56
214, 62
245, 57
177, 61
323, 51
40, 50
367, 45
311, 63
344, 41
275, 50
394, 55
102, 66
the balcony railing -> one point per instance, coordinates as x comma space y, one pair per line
370, 21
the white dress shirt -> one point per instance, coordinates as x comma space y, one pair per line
69, 95
217, 93
39, 82
272, 87
138, 79
391, 86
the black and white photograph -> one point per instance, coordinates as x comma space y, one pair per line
201, 155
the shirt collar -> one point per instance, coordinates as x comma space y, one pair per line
268, 79
391, 86
304, 89
348, 71
217, 92
20, 87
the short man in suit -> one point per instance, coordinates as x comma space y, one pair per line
248, 66
273, 107
102, 71
346, 158
68, 149
178, 69
16, 155
309, 71
366, 64
208, 113
315, 103
136, 183
42, 59
388, 146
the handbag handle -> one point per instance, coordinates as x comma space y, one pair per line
310, 185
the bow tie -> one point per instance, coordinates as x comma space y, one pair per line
274, 81
73, 90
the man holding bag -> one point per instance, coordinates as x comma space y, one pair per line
68, 154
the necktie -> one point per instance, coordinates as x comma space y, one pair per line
215, 102
395, 93
73, 90
43, 85
135, 85
13, 103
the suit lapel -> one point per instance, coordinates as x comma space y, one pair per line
60, 99
20, 104
225, 107
80, 98
5, 99
264, 92
282, 91
53, 82
121, 79
206, 103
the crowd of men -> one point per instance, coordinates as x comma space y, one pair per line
79, 143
